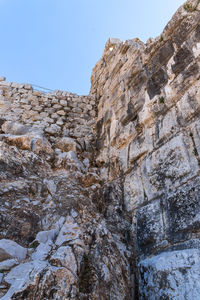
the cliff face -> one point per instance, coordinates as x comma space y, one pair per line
100, 193
148, 134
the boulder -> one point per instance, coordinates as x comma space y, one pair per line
66, 144
29, 142
15, 128
53, 129
25, 137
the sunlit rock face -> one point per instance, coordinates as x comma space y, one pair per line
100, 193
148, 134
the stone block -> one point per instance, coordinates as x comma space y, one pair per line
141, 145
54, 116
133, 190
61, 112
28, 86
166, 126
63, 102
182, 59
165, 168
149, 226
48, 120
5, 83
57, 106
53, 129
60, 122
38, 108
170, 275
189, 104
17, 85
92, 113
55, 101
77, 110
156, 82
183, 212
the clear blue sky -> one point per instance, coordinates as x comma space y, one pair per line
56, 43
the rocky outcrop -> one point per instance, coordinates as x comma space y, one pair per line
148, 135
100, 193
58, 244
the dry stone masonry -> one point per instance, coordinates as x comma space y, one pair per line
100, 193
60, 113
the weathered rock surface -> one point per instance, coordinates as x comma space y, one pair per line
148, 135
171, 275
10, 249
57, 240
100, 193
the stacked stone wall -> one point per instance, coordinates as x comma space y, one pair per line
57, 114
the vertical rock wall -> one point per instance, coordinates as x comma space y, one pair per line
148, 133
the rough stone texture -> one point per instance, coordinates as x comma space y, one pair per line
10, 249
25, 109
148, 135
171, 275
102, 191
49, 206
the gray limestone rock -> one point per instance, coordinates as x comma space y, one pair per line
170, 275
53, 129
10, 249
46, 236
42, 251
8, 264
21, 276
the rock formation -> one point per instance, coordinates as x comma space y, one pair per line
100, 193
